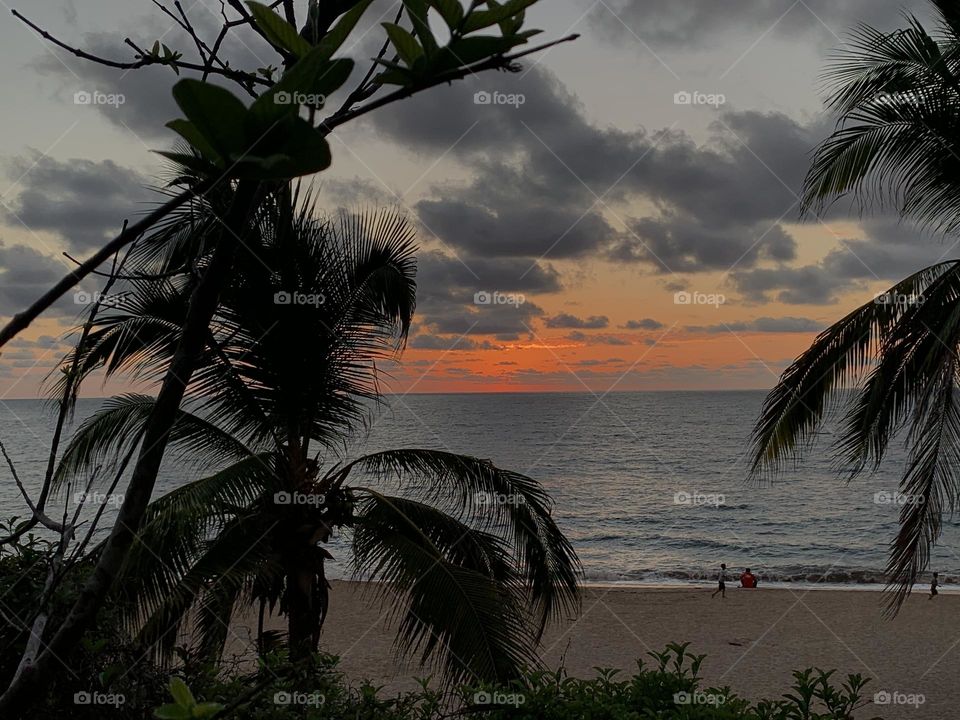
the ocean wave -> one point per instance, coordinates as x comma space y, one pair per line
800, 575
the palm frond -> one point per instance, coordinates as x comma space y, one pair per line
456, 614
512, 505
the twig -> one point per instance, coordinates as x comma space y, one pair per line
495, 63
22, 320
145, 60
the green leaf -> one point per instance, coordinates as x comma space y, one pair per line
417, 11
471, 50
303, 151
313, 75
480, 19
279, 31
216, 113
450, 10
406, 44
181, 693
188, 131
171, 712
341, 31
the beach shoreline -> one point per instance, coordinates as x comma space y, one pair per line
753, 639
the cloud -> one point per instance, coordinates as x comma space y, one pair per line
82, 201
546, 182
763, 325
564, 320
694, 24
645, 324
25, 274
451, 343
597, 339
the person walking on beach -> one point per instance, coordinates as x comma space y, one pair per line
934, 584
721, 582
748, 579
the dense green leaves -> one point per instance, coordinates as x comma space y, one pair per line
279, 31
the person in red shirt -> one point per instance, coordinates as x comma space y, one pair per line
748, 579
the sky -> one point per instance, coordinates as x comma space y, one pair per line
620, 215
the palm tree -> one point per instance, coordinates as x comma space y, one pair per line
895, 145
289, 371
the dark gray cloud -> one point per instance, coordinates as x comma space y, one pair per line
644, 324
763, 325
597, 339
565, 320
451, 343
698, 24
543, 178
25, 274
82, 201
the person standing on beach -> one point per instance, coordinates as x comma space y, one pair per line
934, 584
721, 582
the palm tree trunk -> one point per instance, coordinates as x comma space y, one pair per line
203, 303
302, 616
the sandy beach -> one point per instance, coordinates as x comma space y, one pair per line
753, 639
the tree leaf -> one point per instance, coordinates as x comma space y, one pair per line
417, 11
480, 19
278, 30
406, 44
215, 112
314, 75
181, 693
188, 131
450, 10
341, 31
171, 712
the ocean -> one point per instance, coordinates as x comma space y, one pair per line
650, 487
